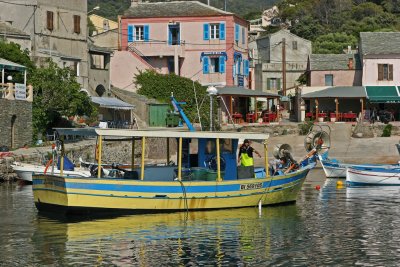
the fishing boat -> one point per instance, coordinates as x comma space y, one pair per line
361, 176
205, 177
333, 168
26, 170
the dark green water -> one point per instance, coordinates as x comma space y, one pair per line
329, 227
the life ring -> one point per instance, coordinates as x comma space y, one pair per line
48, 165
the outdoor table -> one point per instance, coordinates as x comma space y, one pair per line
268, 117
349, 116
309, 115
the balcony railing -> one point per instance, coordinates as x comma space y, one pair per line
10, 91
150, 49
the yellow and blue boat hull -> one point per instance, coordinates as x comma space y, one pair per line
69, 195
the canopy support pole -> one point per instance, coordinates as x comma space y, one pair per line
99, 157
316, 110
218, 162
337, 109
180, 160
362, 107
168, 155
143, 154
133, 154
266, 158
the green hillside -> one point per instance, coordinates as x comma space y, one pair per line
112, 8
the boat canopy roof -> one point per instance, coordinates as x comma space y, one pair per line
90, 131
183, 134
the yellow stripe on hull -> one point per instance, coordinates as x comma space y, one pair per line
147, 201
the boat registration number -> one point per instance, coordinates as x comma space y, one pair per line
250, 186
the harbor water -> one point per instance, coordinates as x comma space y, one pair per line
333, 226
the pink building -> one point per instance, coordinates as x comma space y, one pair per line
334, 70
188, 38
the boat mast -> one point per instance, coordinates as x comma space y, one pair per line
143, 154
99, 159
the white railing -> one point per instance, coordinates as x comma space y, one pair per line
10, 92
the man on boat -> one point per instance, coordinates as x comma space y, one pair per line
245, 157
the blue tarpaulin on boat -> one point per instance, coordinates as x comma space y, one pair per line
68, 165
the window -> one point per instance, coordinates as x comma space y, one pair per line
385, 72
214, 31
77, 24
139, 33
328, 79
243, 35
174, 34
237, 29
75, 68
214, 65
99, 61
294, 45
273, 83
50, 23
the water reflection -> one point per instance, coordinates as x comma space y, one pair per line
327, 227
198, 238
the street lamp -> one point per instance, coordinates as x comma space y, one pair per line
94, 9
211, 91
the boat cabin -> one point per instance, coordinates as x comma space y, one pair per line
201, 156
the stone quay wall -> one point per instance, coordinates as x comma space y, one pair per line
15, 114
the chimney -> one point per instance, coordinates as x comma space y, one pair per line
349, 49
350, 64
135, 3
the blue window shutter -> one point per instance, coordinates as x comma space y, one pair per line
222, 31
221, 64
246, 67
130, 33
236, 33
239, 70
146, 33
169, 36
206, 65
206, 31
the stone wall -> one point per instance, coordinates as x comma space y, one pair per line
19, 114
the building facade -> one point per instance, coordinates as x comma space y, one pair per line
189, 39
269, 62
102, 24
380, 56
11, 34
334, 70
57, 30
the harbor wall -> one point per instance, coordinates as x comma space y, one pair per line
15, 123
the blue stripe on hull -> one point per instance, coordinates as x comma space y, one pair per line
369, 184
172, 189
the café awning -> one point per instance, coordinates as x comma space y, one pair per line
383, 94
111, 103
338, 92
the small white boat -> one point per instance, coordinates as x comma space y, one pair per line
25, 171
336, 169
361, 176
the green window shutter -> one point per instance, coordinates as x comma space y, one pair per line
278, 84
268, 83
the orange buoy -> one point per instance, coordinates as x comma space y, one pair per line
317, 187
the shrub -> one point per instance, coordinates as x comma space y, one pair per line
305, 127
387, 131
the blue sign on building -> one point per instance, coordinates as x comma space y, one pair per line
240, 80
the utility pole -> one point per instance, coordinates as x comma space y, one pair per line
284, 66
225, 5
208, 2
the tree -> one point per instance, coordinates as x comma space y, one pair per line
56, 94
333, 43
160, 87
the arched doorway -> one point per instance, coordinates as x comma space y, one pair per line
100, 90
13, 120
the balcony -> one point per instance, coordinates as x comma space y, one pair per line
10, 91
153, 49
